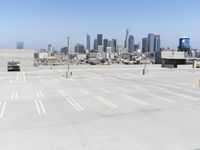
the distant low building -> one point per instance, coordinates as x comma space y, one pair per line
64, 50
170, 58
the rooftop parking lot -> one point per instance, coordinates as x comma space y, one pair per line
100, 108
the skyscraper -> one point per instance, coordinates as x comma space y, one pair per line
110, 44
153, 43
126, 39
95, 47
130, 44
144, 45
151, 40
157, 43
105, 44
114, 45
88, 42
99, 40
20, 45
49, 49
79, 48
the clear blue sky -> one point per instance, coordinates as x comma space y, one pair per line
40, 22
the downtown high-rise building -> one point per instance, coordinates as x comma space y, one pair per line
105, 45
88, 42
20, 45
145, 45
131, 44
114, 45
95, 46
99, 40
79, 48
126, 40
157, 43
154, 43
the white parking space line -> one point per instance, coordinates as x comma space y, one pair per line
39, 94
14, 95
17, 76
24, 77
61, 92
193, 91
159, 98
2, 109
134, 100
182, 95
112, 78
190, 91
179, 94
106, 102
74, 104
40, 107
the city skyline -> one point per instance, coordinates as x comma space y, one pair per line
50, 22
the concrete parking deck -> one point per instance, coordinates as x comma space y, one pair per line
100, 108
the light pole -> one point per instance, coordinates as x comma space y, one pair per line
68, 46
145, 64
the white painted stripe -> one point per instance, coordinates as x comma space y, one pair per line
2, 109
38, 95
12, 95
160, 98
40, 107
41, 94
112, 78
24, 77
37, 106
75, 104
106, 102
60, 92
134, 100
16, 95
43, 110
183, 95
17, 76
193, 91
